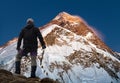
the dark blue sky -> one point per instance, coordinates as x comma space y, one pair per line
103, 15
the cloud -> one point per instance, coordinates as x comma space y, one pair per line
98, 33
95, 30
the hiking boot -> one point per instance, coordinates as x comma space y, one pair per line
17, 67
33, 70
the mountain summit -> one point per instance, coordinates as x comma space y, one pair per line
77, 25
74, 54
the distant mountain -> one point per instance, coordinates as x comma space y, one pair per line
119, 54
74, 54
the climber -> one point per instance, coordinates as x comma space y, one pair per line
29, 35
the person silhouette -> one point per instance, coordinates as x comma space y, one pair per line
29, 35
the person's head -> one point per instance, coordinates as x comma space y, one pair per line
30, 21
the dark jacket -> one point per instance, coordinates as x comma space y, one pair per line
29, 34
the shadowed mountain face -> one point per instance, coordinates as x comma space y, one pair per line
74, 54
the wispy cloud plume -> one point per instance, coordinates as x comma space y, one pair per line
98, 33
95, 30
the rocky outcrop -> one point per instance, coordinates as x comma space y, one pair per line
8, 77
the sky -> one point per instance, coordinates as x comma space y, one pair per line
103, 15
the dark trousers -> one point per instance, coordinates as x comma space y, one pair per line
22, 53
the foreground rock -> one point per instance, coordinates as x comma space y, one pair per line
8, 77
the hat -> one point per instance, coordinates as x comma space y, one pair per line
30, 20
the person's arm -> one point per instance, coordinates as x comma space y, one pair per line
19, 40
41, 39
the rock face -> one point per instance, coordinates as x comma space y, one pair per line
74, 54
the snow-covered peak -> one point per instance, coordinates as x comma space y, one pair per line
74, 54
78, 26
67, 17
